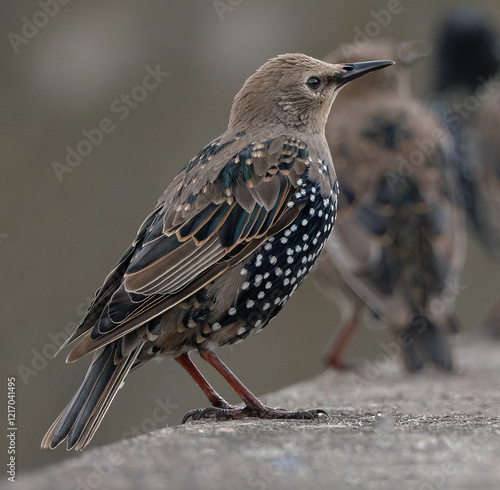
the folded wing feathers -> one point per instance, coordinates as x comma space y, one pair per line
235, 208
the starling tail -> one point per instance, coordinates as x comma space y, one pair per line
81, 418
229, 242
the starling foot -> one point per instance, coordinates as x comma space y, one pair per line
337, 364
334, 359
258, 411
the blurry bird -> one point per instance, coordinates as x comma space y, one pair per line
467, 98
230, 240
398, 243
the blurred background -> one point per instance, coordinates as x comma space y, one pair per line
63, 227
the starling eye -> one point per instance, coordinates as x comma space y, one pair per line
313, 83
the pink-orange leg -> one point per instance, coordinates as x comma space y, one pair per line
253, 407
215, 399
334, 359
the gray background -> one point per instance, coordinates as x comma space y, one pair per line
59, 240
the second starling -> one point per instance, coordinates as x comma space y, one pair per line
229, 242
398, 244
467, 98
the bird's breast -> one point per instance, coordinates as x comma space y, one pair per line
265, 281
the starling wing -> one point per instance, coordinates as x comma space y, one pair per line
224, 204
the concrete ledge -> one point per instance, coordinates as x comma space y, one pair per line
385, 430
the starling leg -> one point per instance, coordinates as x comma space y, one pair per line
342, 339
215, 399
253, 407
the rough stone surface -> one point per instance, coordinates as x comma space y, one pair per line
385, 430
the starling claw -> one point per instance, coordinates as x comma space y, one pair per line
194, 414
257, 411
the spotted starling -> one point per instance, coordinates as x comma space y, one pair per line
467, 98
398, 243
230, 240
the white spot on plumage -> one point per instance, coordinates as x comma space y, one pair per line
232, 311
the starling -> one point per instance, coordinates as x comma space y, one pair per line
398, 243
468, 101
467, 98
230, 240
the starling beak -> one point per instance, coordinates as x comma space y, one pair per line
397, 247
356, 70
230, 240
467, 66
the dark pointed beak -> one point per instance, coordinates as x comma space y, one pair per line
355, 70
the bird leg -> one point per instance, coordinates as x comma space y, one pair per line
334, 359
215, 399
253, 407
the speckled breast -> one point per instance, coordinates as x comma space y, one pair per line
275, 271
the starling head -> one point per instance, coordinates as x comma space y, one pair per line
293, 91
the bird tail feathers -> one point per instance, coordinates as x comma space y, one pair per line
423, 342
84, 413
